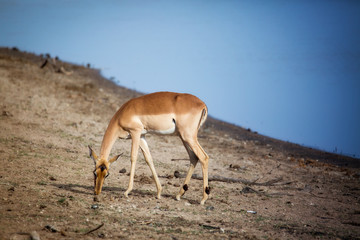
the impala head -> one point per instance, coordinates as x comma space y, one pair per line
101, 170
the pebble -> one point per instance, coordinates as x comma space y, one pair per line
210, 208
34, 235
252, 212
6, 114
42, 206
51, 228
101, 235
94, 206
52, 178
122, 170
179, 230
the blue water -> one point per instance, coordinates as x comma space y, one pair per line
286, 69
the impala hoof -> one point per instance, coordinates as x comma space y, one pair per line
204, 200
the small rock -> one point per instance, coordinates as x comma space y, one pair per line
94, 206
12, 189
222, 230
176, 185
187, 204
177, 174
210, 208
52, 178
34, 235
122, 170
63, 233
247, 190
235, 166
252, 212
51, 228
42, 206
101, 235
6, 114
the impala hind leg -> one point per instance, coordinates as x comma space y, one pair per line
135, 138
193, 161
145, 150
205, 170
201, 156
204, 161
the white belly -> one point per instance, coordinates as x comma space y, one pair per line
166, 131
160, 124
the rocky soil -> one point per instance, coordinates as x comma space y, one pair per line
262, 188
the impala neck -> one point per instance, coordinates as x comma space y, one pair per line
109, 139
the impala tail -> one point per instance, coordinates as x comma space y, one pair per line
203, 117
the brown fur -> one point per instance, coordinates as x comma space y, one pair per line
161, 112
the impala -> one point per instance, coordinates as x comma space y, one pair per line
163, 113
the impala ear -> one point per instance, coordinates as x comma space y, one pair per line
115, 158
93, 155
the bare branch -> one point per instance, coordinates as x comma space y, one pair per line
231, 180
93, 230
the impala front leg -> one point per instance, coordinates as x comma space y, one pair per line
134, 153
145, 149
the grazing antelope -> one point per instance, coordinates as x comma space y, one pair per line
163, 113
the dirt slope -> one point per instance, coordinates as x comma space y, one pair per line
49, 115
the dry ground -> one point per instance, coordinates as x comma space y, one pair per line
49, 116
